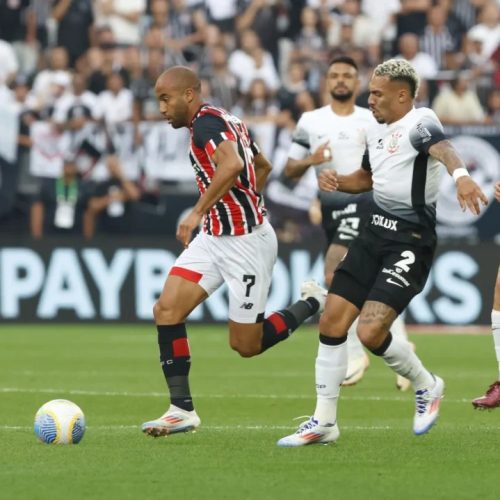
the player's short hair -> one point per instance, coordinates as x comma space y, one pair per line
399, 70
345, 60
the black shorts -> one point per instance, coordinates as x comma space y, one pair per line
343, 222
384, 270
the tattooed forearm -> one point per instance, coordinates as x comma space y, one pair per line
447, 155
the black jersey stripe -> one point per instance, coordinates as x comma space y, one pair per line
250, 217
418, 183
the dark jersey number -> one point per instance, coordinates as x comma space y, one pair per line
251, 282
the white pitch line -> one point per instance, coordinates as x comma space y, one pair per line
81, 392
207, 427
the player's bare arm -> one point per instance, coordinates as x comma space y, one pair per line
229, 166
263, 168
469, 194
497, 191
296, 168
358, 181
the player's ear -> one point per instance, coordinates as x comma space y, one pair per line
189, 93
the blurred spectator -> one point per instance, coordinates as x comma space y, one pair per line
185, 33
437, 39
60, 205
115, 104
310, 47
458, 104
74, 22
259, 110
251, 61
268, 19
223, 14
8, 63
223, 82
424, 64
363, 32
382, 15
46, 86
411, 17
109, 204
487, 31
293, 84
493, 110
77, 96
18, 27
123, 17
104, 61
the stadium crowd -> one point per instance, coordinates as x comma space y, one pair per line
84, 149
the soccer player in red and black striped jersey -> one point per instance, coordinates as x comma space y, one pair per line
236, 246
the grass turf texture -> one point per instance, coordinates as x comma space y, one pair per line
245, 405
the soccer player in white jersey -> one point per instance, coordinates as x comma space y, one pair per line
388, 263
334, 136
491, 399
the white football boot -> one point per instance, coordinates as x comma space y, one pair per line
310, 432
174, 420
427, 403
314, 290
356, 367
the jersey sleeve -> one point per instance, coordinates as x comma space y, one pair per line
300, 142
209, 131
426, 132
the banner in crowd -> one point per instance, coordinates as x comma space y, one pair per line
119, 281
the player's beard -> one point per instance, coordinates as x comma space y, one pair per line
341, 97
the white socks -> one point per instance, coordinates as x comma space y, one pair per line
400, 357
331, 368
495, 328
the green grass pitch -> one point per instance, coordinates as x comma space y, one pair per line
245, 405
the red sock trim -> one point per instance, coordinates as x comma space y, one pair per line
181, 348
186, 274
278, 322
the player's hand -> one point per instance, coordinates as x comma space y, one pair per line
186, 227
327, 180
497, 191
322, 154
469, 195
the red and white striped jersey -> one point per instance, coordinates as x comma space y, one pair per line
242, 207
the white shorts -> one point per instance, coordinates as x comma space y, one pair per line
244, 262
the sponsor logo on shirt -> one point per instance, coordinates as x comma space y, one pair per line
380, 220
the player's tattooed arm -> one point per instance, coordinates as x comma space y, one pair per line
358, 181
469, 194
263, 168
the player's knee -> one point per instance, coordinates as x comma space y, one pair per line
165, 315
245, 349
370, 335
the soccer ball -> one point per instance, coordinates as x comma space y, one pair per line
60, 422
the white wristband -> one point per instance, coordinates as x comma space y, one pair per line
459, 172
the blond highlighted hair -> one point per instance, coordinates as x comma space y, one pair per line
399, 70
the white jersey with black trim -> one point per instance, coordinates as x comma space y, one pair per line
405, 177
346, 136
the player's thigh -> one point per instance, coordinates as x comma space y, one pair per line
333, 256
192, 278
177, 299
403, 274
246, 264
356, 273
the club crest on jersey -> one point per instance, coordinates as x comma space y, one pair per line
380, 220
393, 145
